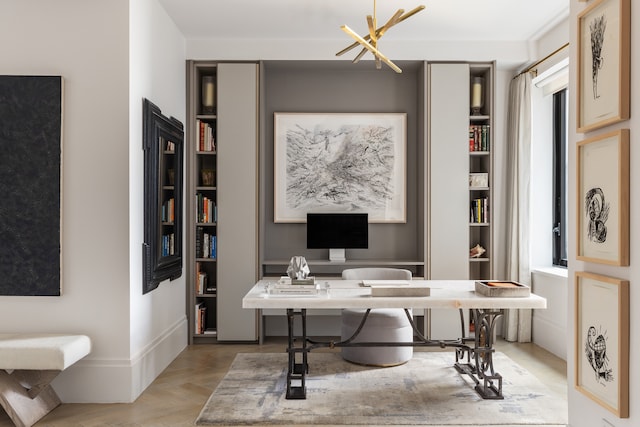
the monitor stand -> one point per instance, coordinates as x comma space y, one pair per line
337, 255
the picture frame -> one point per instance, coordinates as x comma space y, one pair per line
340, 162
604, 52
602, 340
32, 123
603, 199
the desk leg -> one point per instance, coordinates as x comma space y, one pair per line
479, 359
297, 366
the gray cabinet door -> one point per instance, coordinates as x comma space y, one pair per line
448, 191
449, 171
237, 144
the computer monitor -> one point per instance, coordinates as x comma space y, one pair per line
337, 232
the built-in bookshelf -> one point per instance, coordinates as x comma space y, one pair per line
203, 208
480, 173
222, 194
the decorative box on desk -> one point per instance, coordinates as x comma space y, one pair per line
499, 288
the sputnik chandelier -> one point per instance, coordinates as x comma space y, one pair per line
370, 41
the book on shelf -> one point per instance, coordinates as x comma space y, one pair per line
479, 136
199, 240
206, 137
206, 245
479, 211
168, 210
201, 280
206, 209
200, 317
168, 244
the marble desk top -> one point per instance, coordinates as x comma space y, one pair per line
351, 294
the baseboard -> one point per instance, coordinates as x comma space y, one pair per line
550, 336
121, 380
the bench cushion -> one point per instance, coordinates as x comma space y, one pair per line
42, 351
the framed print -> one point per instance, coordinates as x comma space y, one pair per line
603, 199
340, 162
603, 64
602, 340
31, 217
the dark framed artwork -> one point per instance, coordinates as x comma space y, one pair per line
340, 162
602, 166
163, 139
602, 340
31, 118
604, 64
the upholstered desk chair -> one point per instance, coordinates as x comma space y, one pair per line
382, 325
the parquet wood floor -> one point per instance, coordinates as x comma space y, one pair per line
177, 395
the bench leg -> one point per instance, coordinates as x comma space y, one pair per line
16, 390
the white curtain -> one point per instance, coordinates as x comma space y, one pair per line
518, 187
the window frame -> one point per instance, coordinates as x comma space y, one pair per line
560, 160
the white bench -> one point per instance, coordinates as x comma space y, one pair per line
28, 364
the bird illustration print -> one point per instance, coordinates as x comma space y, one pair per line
596, 352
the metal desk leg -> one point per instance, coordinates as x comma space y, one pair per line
479, 365
297, 366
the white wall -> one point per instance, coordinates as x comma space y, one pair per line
87, 42
584, 412
158, 328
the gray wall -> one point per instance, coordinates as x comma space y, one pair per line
330, 87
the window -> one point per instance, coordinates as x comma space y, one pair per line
560, 167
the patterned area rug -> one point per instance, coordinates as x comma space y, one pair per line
427, 390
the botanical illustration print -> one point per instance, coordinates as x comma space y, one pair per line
597, 28
348, 166
597, 211
595, 350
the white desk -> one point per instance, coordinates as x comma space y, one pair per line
456, 294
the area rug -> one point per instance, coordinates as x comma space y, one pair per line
427, 390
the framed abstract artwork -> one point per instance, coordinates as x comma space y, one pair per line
602, 340
604, 40
340, 162
603, 199
31, 185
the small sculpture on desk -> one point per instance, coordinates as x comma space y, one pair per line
298, 271
476, 251
298, 268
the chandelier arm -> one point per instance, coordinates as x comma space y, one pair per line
372, 30
360, 55
370, 48
411, 13
390, 23
380, 31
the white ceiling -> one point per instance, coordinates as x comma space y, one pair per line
442, 20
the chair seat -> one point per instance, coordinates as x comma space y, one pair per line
382, 325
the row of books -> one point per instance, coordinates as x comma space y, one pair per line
200, 318
168, 213
480, 211
206, 209
206, 136
167, 145
202, 282
168, 244
206, 244
479, 137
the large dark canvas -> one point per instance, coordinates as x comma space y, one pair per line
30, 184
